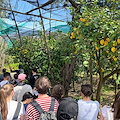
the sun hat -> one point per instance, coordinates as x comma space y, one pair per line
21, 77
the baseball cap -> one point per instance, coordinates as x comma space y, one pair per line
21, 77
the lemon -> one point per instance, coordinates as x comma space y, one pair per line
72, 33
115, 59
103, 70
75, 52
106, 42
107, 51
77, 32
102, 42
97, 48
108, 39
113, 49
118, 40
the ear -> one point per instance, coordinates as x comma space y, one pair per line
82, 94
12, 93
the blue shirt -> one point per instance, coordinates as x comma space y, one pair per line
88, 110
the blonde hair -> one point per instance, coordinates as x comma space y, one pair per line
5, 92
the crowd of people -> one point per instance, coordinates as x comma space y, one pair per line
35, 101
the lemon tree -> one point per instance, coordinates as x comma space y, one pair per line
97, 31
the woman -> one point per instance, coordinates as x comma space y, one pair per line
10, 109
27, 98
112, 113
87, 109
58, 92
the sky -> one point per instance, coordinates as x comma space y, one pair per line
23, 6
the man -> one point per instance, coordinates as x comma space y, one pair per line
21, 88
20, 70
6, 79
34, 77
42, 86
2, 76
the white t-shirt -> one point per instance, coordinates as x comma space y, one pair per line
3, 82
88, 110
105, 111
12, 105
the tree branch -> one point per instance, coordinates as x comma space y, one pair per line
45, 4
31, 14
112, 73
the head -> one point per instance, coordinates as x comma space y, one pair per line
5, 93
116, 106
34, 70
6, 76
20, 66
27, 97
3, 70
15, 76
86, 91
58, 92
42, 85
21, 77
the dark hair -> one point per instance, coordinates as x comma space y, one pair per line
4, 70
86, 90
6, 74
116, 106
15, 76
58, 92
20, 66
34, 69
42, 85
27, 95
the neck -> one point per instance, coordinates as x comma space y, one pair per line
86, 98
5, 79
42, 95
34, 73
9, 98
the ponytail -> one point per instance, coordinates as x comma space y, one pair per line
3, 104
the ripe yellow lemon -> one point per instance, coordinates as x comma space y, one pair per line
106, 42
113, 49
108, 39
115, 59
102, 42
97, 48
107, 51
118, 40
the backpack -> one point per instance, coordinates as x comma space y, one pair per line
50, 115
16, 114
68, 109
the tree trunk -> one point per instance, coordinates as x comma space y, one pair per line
67, 74
3, 55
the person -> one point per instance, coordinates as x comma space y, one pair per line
112, 113
68, 109
6, 79
34, 77
21, 88
58, 92
20, 70
8, 106
27, 98
42, 86
88, 109
2, 75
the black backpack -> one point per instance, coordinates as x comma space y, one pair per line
68, 109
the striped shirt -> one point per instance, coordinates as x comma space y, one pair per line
33, 114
